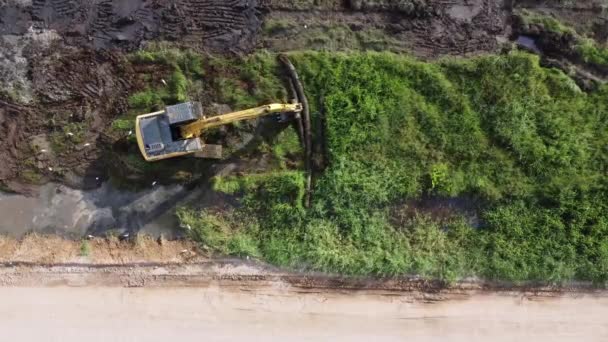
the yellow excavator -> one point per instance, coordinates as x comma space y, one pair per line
176, 131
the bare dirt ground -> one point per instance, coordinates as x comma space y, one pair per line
51, 249
228, 310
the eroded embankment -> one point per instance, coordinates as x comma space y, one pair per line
143, 261
252, 276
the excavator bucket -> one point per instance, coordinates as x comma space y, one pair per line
158, 133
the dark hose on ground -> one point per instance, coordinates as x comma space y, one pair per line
293, 74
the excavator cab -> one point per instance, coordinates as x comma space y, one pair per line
158, 133
176, 130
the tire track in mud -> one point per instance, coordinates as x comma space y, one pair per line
216, 25
82, 89
447, 27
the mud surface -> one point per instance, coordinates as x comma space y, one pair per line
215, 24
434, 29
73, 213
57, 135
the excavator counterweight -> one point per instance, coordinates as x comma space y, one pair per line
176, 131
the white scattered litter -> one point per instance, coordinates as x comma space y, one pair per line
70, 133
305, 26
130, 132
87, 144
90, 236
50, 169
188, 226
154, 183
96, 178
43, 151
165, 83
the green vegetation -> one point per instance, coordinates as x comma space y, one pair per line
31, 176
179, 77
70, 135
546, 21
304, 4
244, 86
85, 248
286, 147
334, 37
522, 140
587, 49
592, 53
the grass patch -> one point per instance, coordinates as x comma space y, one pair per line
178, 85
31, 176
66, 139
287, 147
519, 138
546, 21
329, 37
589, 51
85, 248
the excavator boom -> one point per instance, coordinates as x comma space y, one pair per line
176, 131
198, 127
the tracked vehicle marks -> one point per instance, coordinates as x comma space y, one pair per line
220, 25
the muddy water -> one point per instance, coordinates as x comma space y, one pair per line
72, 213
528, 43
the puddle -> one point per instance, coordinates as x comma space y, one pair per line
527, 43
76, 213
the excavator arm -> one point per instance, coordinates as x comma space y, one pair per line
196, 128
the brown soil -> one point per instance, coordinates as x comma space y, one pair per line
56, 137
37, 249
437, 28
218, 24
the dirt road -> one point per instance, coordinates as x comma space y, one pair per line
226, 301
282, 314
